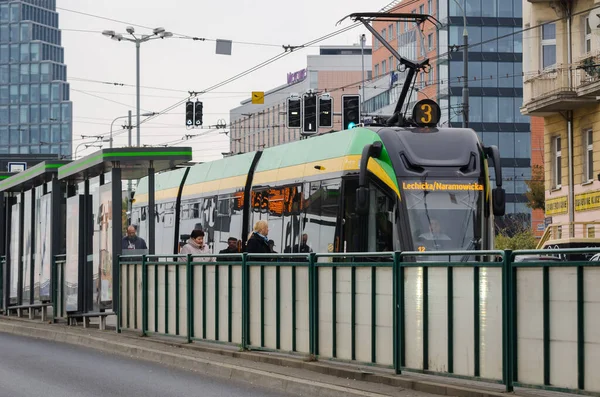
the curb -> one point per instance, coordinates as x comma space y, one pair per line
262, 378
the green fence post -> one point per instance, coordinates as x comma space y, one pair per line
506, 320
396, 313
144, 297
189, 296
245, 303
120, 292
311, 305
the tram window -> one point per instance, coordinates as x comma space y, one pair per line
381, 215
319, 217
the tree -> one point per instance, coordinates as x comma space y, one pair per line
536, 195
124, 222
522, 240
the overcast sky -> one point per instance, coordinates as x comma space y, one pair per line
184, 65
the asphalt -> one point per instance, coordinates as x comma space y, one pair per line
33, 367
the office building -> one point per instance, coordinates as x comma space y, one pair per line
35, 108
494, 79
337, 70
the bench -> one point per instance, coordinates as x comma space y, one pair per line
33, 308
86, 318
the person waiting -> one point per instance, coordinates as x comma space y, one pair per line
195, 246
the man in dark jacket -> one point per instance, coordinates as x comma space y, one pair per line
132, 241
232, 248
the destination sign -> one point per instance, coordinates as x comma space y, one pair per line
442, 186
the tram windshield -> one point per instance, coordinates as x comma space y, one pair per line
444, 215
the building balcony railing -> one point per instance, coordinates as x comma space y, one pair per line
550, 91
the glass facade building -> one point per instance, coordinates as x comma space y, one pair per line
495, 85
35, 106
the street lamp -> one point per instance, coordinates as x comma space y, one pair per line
129, 115
465, 91
157, 33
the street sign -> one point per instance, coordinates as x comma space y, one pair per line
258, 97
17, 167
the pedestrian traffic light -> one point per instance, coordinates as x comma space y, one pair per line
293, 113
310, 114
325, 111
189, 113
198, 113
350, 111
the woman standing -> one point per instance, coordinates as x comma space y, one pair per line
195, 246
258, 241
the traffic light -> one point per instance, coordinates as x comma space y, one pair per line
198, 113
189, 113
293, 113
325, 112
350, 111
310, 114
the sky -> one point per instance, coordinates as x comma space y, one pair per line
177, 65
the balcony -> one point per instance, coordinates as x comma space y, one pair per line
548, 92
587, 80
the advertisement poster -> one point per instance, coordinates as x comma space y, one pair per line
71, 279
14, 252
43, 260
27, 243
104, 226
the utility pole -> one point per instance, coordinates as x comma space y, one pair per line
363, 39
129, 127
465, 91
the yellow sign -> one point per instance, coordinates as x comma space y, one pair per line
556, 206
258, 97
587, 201
441, 186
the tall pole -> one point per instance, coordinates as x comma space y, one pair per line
465, 92
137, 56
128, 214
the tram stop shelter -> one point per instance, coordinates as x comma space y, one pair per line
94, 222
31, 236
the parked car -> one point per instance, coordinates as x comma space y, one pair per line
537, 258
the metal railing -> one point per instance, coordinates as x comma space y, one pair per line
579, 230
386, 309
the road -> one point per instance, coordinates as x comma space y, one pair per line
32, 367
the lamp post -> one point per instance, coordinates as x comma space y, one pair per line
123, 117
157, 33
465, 91
363, 39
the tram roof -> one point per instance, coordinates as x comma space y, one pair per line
133, 161
335, 152
33, 177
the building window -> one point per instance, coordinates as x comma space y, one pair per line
383, 67
588, 156
390, 32
557, 166
587, 36
422, 9
377, 70
548, 45
384, 34
391, 63
430, 42
429, 7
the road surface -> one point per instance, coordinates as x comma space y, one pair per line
32, 367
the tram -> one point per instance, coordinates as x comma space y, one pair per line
359, 190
